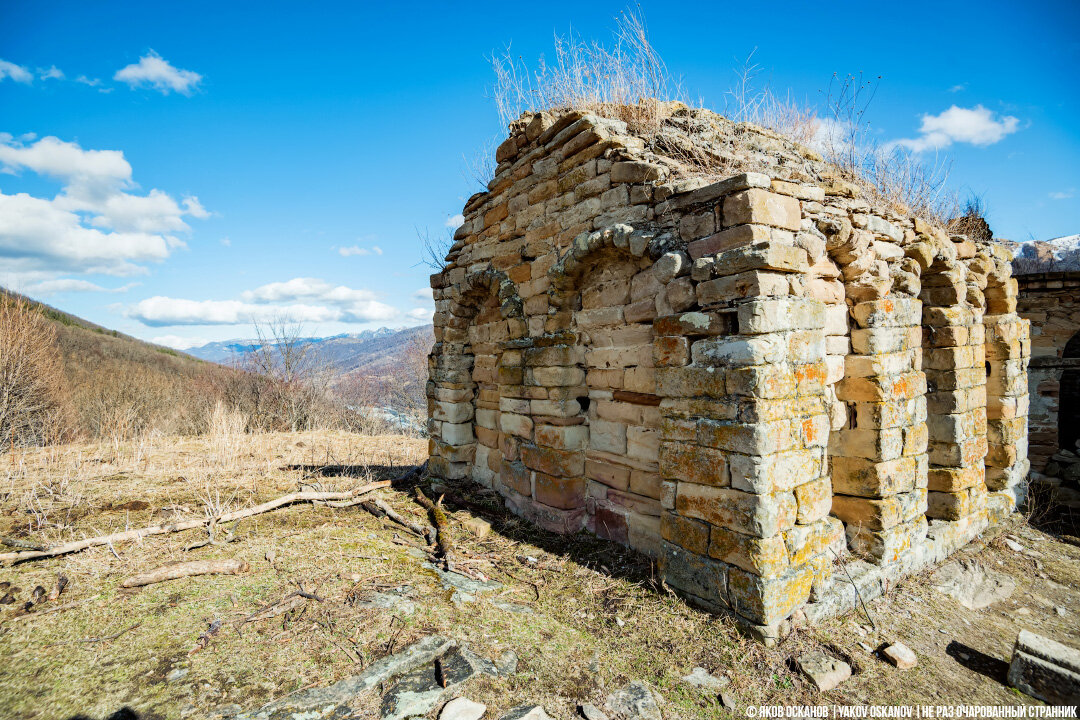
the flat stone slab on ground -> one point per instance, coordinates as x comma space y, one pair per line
700, 677
901, 656
462, 709
826, 672
527, 712
972, 585
1045, 669
635, 701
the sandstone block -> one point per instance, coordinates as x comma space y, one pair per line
563, 463
750, 514
761, 206
705, 466
766, 557
768, 600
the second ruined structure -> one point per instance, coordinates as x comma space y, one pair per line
701, 343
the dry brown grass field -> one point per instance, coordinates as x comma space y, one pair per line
583, 617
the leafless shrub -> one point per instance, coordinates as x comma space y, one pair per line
32, 391
435, 246
394, 401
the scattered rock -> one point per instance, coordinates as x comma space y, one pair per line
1045, 669
420, 690
727, 700
527, 712
479, 527
465, 588
591, 712
826, 672
900, 655
513, 607
1013, 545
462, 709
701, 678
1062, 612
507, 663
635, 701
397, 599
176, 675
972, 585
866, 647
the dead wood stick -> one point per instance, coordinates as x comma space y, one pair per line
176, 570
442, 528
378, 505
289, 499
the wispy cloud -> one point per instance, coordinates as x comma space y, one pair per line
356, 250
977, 126
52, 73
1063, 194
66, 285
155, 71
958, 88
455, 221
16, 72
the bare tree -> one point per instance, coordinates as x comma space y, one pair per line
288, 377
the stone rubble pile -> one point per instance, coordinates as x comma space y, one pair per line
750, 378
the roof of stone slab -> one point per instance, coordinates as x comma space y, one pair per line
689, 157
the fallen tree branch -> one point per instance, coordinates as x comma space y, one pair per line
378, 506
176, 570
442, 528
289, 499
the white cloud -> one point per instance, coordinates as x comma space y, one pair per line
92, 82
1063, 194
977, 126
299, 300
62, 285
455, 221
159, 311
179, 343
421, 314
16, 72
958, 88
52, 73
93, 225
226, 242
361, 251
157, 72
424, 295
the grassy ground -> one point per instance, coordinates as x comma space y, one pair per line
582, 616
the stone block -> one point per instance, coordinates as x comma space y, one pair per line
564, 463
768, 600
565, 493
867, 478
762, 207
766, 557
702, 465
692, 535
730, 239
1045, 669
775, 315
750, 514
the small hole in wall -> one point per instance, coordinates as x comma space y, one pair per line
584, 403
733, 322
987, 368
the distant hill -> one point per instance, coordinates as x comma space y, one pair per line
119, 385
370, 351
1056, 255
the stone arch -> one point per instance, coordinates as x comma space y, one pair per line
1069, 398
468, 369
605, 419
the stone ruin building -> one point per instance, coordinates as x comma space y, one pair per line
704, 344
1050, 300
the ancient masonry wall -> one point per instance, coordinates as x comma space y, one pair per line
749, 379
1051, 302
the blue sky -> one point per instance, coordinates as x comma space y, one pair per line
174, 169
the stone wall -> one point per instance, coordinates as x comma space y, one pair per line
1051, 302
750, 378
